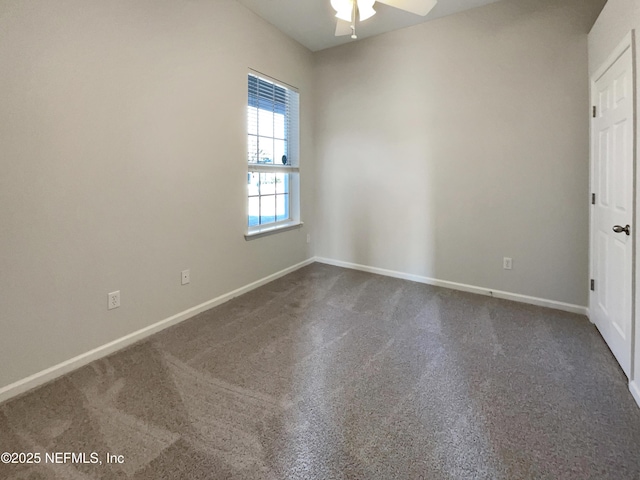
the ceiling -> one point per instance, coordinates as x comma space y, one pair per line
312, 22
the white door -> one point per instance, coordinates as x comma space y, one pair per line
612, 214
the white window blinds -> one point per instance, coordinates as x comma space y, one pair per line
272, 125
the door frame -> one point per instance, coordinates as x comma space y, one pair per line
628, 42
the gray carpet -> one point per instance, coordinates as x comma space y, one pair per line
330, 373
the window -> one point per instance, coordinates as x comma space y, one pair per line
273, 182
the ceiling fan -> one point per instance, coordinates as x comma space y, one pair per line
349, 10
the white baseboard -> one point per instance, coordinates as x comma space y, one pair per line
542, 302
44, 376
634, 387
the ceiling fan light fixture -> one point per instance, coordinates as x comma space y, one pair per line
351, 12
344, 15
343, 8
365, 9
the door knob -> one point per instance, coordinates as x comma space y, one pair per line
619, 229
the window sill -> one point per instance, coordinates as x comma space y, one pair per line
263, 232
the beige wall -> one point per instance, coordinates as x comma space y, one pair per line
444, 147
122, 136
617, 19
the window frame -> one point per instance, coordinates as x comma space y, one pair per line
293, 168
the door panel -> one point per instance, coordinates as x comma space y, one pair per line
620, 88
621, 169
603, 100
603, 160
601, 291
610, 303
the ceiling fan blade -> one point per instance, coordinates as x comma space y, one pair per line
343, 28
419, 7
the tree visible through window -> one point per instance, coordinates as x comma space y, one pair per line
272, 154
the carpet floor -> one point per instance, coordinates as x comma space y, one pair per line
330, 373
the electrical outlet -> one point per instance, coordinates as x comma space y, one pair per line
308, 238
113, 300
507, 263
186, 277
